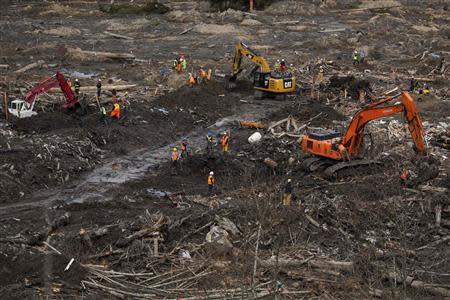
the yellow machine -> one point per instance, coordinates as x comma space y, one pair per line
265, 82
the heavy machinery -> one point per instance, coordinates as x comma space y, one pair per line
329, 147
265, 82
24, 108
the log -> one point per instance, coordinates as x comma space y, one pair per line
30, 66
93, 88
251, 124
286, 23
118, 36
186, 30
428, 188
435, 243
332, 30
4, 66
83, 54
417, 284
438, 211
152, 230
346, 266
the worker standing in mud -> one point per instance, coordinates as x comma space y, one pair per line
225, 141
203, 75
209, 143
183, 63
184, 151
77, 87
115, 113
277, 66
282, 66
175, 157
103, 115
191, 80
99, 88
211, 183
287, 195
125, 102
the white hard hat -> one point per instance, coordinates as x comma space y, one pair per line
291, 65
282, 59
278, 60
99, 80
76, 79
289, 180
211, 173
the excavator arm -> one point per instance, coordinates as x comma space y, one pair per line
50, 83
353, 138
243, 50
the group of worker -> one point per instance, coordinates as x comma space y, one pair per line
358, 57
119, 103
177, 158
199, 76
414, 87
281, 68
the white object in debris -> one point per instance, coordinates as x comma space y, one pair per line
185, 254
218, 235
254, 138
69, 264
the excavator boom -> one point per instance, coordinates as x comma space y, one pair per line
244, 50
50, 83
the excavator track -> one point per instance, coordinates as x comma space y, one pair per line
331, 171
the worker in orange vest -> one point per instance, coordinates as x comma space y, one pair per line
225, 141
116, 111
203, 75
175, 157
184, 152
191, 80
211, 183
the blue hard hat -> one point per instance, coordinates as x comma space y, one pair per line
209, 133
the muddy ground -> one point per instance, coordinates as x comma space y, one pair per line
75, 187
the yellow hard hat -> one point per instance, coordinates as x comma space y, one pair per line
174, 149
126, 92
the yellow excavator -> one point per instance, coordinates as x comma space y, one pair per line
267, 83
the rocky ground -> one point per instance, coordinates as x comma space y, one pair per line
106, 196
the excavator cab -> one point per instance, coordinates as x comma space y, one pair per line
261, 80
21, 109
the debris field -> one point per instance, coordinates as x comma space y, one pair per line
94, 209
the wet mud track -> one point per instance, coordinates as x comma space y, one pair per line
99, 184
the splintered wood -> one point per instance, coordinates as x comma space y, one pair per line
290, 127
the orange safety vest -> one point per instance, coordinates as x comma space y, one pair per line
174, 155
224, 140
211, 180
116, 111
191, 79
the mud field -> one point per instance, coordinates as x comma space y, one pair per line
94, 210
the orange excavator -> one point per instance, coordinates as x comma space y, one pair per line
329, 147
